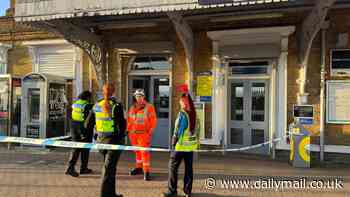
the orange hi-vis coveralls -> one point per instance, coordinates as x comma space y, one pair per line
141, 124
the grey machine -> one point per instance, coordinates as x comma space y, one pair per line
44, 105
300, 136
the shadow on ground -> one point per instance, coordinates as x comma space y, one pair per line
211, 195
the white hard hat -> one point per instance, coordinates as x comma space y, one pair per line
139, 92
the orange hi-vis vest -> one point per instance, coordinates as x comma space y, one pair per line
141, 121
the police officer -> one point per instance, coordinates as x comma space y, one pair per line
80, 111
185, 141
108, 118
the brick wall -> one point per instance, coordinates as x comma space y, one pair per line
340, 23
334, 134
86, 72
124, 62
313, 79
89, 76
179, 77
19, 61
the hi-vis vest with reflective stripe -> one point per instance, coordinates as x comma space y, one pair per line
78, 110
138, 120
104, 121
187, 142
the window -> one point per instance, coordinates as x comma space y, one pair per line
161, 97
243, 68
2, 68
258, 102
151, 63
237, 101
34, 105
3, 60
236, 136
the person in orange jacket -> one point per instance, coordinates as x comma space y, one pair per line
142, 120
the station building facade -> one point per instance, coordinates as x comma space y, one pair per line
246, 63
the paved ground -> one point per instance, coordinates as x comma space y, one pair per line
38, 173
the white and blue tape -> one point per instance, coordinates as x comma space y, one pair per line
70, 144
60, 138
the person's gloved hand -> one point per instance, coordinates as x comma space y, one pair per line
150, 133
192, 132
288, 140
174, 141
95, 136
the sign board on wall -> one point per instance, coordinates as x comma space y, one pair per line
204, 84
57, 101
338, 105
200, 122
33, 131
303, 111
304, 114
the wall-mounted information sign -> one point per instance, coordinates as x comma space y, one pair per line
338, 105
304, 114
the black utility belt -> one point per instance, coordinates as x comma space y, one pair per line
102, 134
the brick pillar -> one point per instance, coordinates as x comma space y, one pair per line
115, 71
180, 76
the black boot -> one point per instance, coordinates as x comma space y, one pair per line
85, 171
169, 194
71, 171
136, 171
146, 176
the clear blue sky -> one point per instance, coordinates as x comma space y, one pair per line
4, 4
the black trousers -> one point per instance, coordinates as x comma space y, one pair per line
109, 171
174, 164
83, 152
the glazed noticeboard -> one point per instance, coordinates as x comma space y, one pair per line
204, 85
338, 105
57, 101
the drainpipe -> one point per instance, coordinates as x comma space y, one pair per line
322, 94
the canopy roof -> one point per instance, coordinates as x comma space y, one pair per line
40, 10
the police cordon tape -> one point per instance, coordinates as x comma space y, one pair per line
60, 138
70, 144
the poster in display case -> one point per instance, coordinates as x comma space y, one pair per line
338, 105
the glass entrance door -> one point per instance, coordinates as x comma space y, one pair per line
157, 92
248, 113
160, 99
